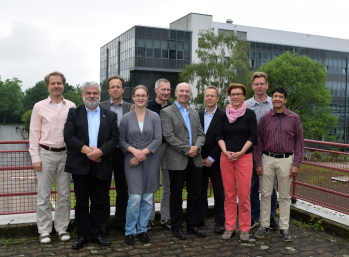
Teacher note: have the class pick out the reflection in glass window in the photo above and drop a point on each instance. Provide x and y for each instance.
(149, 52)
(180, 55)
(157, 53)
(157, 43)
(149, 43)
(172, 45)
(164, 53)
(172, 54)
(164, 44)
(179, 46)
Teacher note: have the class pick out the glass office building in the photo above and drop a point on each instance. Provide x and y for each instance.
(143, 55)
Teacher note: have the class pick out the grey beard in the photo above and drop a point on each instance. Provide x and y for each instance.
(91, 105)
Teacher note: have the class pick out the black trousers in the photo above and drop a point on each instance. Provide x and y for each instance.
(192, 176)
(218, 190)
(121, 191)
(89, 222)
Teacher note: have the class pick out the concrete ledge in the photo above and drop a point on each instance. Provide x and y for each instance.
(328, 225)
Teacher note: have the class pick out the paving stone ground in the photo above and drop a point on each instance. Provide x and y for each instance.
(306, 243)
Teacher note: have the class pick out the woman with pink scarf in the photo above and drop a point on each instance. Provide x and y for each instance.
(237, 132)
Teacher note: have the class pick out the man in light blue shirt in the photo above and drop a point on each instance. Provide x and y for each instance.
(93, 125)
(182, 158)
(260, 103)
(211, 153)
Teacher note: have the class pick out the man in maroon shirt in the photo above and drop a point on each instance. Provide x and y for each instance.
(280, 152)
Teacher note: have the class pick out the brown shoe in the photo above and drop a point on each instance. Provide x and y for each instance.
(228, 234)
(244, 236)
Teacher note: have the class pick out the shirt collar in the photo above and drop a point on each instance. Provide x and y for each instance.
(180, 106)
(112, 103)
(96, 111)
(268, 99)
(274, 113)
(212, 112)
(50, 100)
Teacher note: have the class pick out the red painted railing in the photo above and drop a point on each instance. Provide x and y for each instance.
(18, 185)
(323, 178)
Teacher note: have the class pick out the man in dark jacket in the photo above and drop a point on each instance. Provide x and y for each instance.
(211, 154)
(91, 135)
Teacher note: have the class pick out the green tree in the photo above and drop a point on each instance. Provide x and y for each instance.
(307, 93)
(26, 119)
(34, 94)
(10, 97)
(74, 95)
(223, 60)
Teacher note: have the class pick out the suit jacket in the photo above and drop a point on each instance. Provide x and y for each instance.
(176, 135)
(211, 147)
(126, 106)
(76, 136)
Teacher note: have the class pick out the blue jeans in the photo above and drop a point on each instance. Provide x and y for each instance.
(138, 211)
(254, 197)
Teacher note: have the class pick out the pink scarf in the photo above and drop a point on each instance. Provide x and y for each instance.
(233, 114)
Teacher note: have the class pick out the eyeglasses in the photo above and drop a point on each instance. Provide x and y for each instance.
(115, 87)
(237, 94)
(259, 84)
(212, 96)
(140, 96)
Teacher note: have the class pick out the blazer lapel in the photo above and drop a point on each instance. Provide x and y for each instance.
(214, 120)
(179, 114)
(202, 119)
(84, 121)
(103, 120)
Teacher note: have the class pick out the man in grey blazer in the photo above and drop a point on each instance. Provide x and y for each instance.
(116, 87)
(185, 138)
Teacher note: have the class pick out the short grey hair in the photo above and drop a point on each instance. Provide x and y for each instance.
(157, 83)
(90, 84)
(182, 84)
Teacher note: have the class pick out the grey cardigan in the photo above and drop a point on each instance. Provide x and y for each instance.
(145, 177)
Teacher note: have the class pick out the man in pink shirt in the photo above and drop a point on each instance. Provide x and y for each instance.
(48, 153)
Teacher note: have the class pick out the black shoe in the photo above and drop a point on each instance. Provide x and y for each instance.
(102, 241)
(104, 230)
(178, 233)
(273, 224)
(150, 224)
(219, 228)
(79, 243)
(254, 223)
(285, 235)
(196, 231)
(144, 237)
(201, 223)
(130, 239)
(261, 232)
(121, 228)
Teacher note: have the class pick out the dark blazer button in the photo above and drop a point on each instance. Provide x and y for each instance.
(188, 137)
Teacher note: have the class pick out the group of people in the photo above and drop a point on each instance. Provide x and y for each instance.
(188, 147)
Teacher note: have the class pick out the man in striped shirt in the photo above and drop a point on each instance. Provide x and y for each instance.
(279, 152)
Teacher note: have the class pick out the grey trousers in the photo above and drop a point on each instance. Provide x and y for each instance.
(280, 167)
(165, 199)
(53, 164)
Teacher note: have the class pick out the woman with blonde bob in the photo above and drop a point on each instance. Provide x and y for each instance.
(140, 137)
(237, 132)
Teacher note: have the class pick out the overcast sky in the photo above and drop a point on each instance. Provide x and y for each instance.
(40, 36)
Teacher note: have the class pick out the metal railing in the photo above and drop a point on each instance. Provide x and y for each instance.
(18, 184)
(323, 177)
